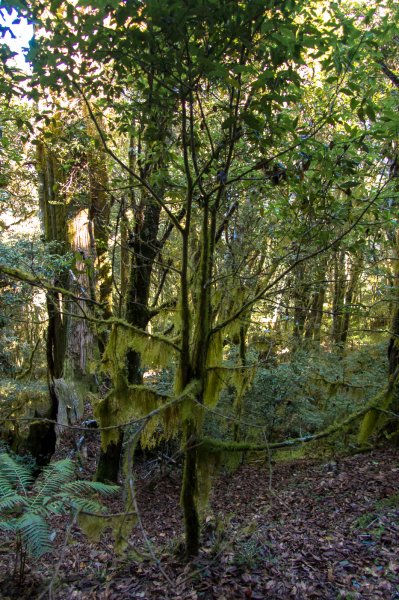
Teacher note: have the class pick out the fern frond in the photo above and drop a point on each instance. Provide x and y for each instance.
(85, 504)
(53, 478)
(5, 486)
(55, 492)
(82, 487)
(13, 474)
(56, 507)
(12, 501)
(9, 526)
(35, 534)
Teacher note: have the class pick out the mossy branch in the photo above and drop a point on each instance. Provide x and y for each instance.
(25, 277)
(374, 419)
(188, 392)
(34, 281)
(29, 368)
(140, 332)
(214, 445)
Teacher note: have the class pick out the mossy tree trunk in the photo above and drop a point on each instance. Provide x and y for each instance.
(350, 294)
(339, 276)
(71, 223)
(81, 339)
(42, 437)
(197, 316)
(301, 302)
(315, 319)
(144, 247)
(99, 223)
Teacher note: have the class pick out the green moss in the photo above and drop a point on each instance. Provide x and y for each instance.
(120, 525)
(373, 418)
(125, 403)
(156, 351)
(219, 376)
(214, 383)
(376, 419)
(207, 466)
(189, 491)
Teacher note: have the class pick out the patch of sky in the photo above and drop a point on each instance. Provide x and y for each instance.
(19, 33)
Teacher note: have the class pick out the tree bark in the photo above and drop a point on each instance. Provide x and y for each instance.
(42, 436)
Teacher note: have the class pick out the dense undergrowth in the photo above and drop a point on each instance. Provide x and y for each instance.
(306, 392)
(292, 395)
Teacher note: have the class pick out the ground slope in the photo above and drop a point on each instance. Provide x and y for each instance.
(321, 531)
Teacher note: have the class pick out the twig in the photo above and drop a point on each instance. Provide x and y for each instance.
(269, 461)
(49, 588)
(28, 370)
(186, 393)
(138, 515)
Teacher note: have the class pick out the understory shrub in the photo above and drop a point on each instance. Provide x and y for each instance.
(26, 505)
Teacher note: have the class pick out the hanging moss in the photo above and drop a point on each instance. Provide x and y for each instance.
(191, 408)
(162, 426)
(128, 402)
(157, 351)
(232, 330)
(219, 377)
(214, 382)
(376, 419)
(120, 525)
(123, 404)
(208, 464)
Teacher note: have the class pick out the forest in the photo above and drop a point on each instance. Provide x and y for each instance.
(199, 310)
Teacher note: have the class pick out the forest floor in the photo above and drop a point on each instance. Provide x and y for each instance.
(321, 530)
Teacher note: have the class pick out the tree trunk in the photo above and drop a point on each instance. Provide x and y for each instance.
(42, 436)
(144, 248)
(108, 463)
(190, 490)
(301, 302)
(315, 318)
(239, 401)
(349, 297)
(393, 347)
(81, 340)
(338, 296)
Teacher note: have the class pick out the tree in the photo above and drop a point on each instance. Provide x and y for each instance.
(213, 97)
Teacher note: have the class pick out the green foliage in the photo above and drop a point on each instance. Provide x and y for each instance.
(270, 131)
(20, 399)
(377, 421)
(312, 390)
(385, 506)
(249, 553)
(27, 505)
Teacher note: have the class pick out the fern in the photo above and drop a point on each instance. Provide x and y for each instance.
(13, 475)
(25, 507)
(9, 526)
(83, 487)
(80, 495)
(11, 501)
(86, 505)
(35, 534)
(53, 478)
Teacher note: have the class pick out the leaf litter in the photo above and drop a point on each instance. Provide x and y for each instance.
(326, 531)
